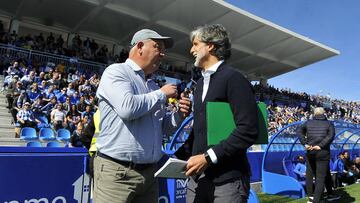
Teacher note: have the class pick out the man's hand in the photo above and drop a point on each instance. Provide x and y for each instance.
(184, 106)
(196, 165)
(316, 148)
(169, 90)
(308, 147)
(21, 121)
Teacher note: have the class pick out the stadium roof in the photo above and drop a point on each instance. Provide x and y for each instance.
(261, 49)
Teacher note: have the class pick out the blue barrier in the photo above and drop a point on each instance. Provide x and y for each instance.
(30, 174)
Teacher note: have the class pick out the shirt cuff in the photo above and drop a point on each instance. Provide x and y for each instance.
(212, 155)
(161, 95)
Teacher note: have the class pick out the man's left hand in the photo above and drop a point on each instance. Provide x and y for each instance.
(184, 106)
(316, 148)
(196, 165)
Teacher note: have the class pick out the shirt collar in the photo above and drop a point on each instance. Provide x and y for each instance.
(135, 67)
(212, 69)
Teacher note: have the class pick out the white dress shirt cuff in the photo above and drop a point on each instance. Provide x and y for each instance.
(212, 155)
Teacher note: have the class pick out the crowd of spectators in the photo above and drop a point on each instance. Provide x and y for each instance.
(46, 85)
(80, 48)
(44, 95)
(285, 107)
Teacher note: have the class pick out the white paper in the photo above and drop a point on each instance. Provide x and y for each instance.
(173, 168)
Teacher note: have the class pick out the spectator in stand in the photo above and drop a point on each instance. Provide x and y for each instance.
(94, 80)
(47, 109)
(300, 168)
(81, 105)
(50, 39)
(25, 117)
(13, 36)
(22, 99)
(75, 98)
(34, 93)
(87, 114)
(70, 90)
(8, 79)
(37, 105)
(60, 41)
(38, 79)
(73, 117)
(85, 88)
(67, 104)
(55, 79)
(14, 68)
(58, 117)
(48, 73)
(49, 93)
(75, 137)
(62, 96)
(93, 47)
(13, 91)
(43, 86)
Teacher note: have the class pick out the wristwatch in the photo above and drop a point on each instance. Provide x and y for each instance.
(207, 157)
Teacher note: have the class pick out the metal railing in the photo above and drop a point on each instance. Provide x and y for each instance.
(44, 57)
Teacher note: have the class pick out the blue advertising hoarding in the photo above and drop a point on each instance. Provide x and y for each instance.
(41, 175)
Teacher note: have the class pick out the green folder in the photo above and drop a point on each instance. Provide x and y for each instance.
(220, 122)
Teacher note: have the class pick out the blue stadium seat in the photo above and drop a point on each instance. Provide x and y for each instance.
(54, 144)
(28, 133)
(34, 144)
(44, 122)
(43, 119)
(46, 134)
(63, 135)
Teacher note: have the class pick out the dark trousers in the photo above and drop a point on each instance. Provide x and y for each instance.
(317, 164)
(204, 190)
(329, 182)
(31, 124)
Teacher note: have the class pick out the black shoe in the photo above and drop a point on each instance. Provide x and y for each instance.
(332, 197)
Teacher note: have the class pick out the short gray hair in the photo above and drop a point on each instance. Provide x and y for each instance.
(217, 35)
(319, 111)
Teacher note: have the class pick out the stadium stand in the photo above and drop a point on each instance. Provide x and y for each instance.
(47, 72)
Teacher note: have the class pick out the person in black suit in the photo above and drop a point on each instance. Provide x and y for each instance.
(220, 173)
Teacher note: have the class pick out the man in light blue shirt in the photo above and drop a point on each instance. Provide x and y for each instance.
(300, 168)
(132, 123)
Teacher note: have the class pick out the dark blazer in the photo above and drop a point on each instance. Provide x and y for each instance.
(226, 85)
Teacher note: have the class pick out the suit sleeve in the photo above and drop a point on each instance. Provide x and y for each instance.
(184, 152)
(243, 105)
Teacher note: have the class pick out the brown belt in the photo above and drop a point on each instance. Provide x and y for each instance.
(129, 164)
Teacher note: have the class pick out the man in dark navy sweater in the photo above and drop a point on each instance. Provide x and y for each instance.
(219, 173)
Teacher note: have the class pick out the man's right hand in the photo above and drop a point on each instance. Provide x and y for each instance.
(169, 90)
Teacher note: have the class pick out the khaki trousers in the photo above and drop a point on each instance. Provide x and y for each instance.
(115, 183)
